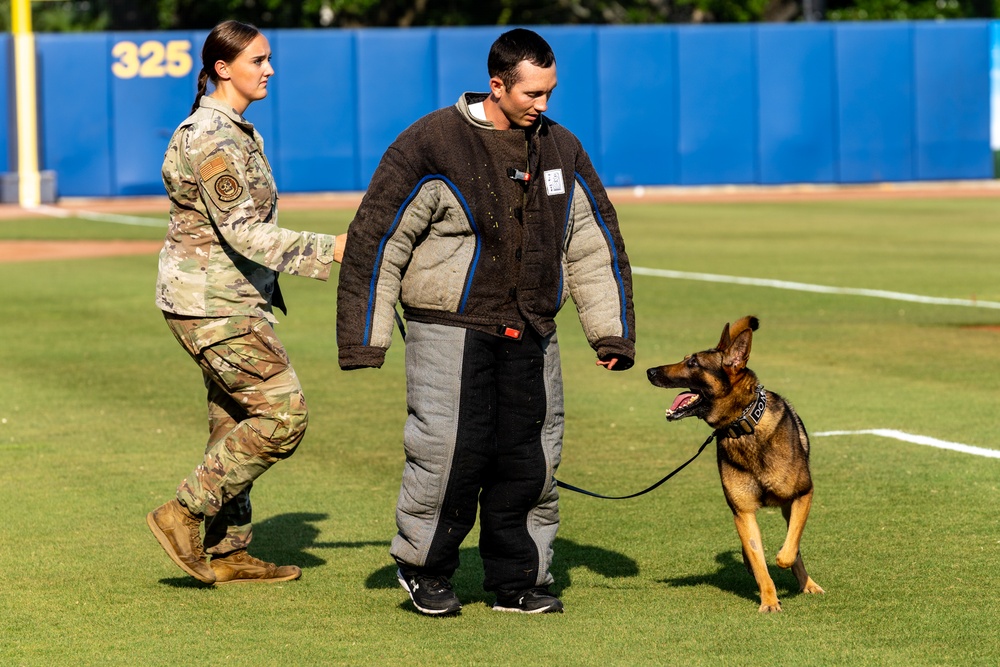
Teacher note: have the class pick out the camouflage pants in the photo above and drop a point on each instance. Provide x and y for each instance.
(256, 415)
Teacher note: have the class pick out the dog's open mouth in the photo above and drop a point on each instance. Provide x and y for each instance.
(683, 405)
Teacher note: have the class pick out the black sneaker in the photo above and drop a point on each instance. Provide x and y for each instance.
(531, 601)
(430, 595)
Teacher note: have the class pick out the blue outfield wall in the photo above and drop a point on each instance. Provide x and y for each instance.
(876, 107)
(797, 138)
(637, 77)
(75, 113)
(653, 105)
(717, 105)
(6, 115)
(949, 68)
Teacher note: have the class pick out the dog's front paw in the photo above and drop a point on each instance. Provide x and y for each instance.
(770, 607)
(787, 558)
(812, 587)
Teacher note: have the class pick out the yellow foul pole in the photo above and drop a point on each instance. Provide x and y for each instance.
(29, 183)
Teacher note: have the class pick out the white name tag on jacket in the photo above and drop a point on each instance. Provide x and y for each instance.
(554, 182)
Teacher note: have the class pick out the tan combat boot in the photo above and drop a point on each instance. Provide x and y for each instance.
(179, 533)
(239, 567)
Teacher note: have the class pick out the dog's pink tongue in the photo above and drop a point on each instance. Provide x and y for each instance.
(682, 400)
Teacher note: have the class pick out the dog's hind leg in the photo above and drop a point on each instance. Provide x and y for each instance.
(795, 514)
(753, 550)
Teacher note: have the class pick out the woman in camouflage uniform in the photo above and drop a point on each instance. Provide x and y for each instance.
(217, 284)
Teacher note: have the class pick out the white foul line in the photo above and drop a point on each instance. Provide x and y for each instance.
(806, 287)
(918, 440)
(54, 212)
(638, 270)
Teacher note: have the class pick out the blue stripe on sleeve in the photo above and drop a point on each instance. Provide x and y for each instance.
(370, 311)
(614, 253)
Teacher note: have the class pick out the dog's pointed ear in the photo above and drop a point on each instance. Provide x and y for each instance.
(724, 340)
(734, 357)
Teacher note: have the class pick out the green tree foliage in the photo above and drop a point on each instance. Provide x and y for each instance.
(197, 14)
(77, 15)
(59, 16)
(742, 11)
(888, 10)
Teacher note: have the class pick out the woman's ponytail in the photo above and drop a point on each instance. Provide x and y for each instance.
(202, 89)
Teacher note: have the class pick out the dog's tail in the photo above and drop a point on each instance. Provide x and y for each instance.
(749, 322)
(731, 331)
(739, 326)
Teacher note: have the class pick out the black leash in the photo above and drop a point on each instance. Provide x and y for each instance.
(399, 323)
(570, 487)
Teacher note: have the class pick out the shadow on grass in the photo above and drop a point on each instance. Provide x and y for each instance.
(184, 582)
(568, 555)
(284, 539)
(733, 577)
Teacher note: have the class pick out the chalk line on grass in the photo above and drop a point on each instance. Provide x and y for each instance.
(917, 440)
(54, 212)
(806, 287)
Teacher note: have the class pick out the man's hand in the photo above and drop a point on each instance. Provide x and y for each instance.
(608, 363)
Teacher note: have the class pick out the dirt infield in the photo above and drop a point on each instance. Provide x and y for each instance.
(160, 205)
(32, 251)
(13, 251)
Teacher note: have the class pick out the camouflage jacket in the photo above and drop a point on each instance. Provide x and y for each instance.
(224, 247)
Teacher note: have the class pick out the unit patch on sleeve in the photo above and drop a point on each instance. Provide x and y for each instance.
(221, 182)
(228, 188)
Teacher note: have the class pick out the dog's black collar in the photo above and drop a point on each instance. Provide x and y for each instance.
(748, 420)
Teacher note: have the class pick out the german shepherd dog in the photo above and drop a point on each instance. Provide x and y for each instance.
(762, 445)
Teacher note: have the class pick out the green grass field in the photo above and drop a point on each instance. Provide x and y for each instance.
(102, 414)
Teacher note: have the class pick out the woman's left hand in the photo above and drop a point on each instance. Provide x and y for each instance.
(339, 243)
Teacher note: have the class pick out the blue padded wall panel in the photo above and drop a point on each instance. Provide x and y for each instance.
(797, 125)
(717, 105)
(74, 112)
(397, 85)
(461, 61)
(574, 103)
(313, 91)
(994, 99)
(7, 121)
(952, 68)
(637, 82)
(875, 101)
(146, 108)
(860, 102)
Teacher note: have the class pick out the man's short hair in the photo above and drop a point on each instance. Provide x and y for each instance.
(512, 48)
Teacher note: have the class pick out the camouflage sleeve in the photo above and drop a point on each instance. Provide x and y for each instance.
(239, 193)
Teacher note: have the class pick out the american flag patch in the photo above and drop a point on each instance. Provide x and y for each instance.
(216, 165)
